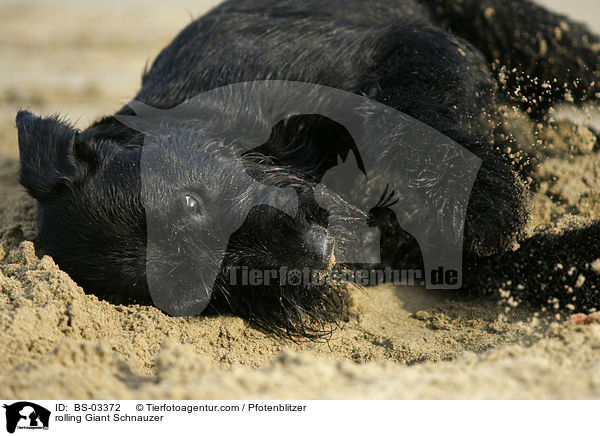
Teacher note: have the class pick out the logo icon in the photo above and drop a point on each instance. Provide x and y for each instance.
(26, 415)
(234, 140)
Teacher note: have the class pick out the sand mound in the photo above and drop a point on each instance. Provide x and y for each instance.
(59, 342)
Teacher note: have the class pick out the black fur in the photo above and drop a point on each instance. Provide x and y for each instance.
(439, 61)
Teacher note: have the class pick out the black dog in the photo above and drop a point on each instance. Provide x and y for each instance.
(439, 61)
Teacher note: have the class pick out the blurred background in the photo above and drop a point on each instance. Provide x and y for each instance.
(81, 58)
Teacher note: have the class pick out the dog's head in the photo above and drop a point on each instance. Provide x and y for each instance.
(186, 221)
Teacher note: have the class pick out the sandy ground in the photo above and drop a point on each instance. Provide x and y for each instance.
(81, 59)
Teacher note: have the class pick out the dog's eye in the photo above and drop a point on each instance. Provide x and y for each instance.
(192, 206)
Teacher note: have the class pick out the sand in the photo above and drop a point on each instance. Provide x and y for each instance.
(82, 59)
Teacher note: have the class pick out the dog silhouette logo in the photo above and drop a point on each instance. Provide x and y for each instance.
(26, 415)
(380, 172)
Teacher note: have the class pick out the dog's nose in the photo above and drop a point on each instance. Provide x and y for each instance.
(317, 244)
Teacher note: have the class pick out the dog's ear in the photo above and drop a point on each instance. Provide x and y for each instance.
(50, 152)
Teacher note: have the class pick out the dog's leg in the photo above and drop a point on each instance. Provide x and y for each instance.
(539, 57)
